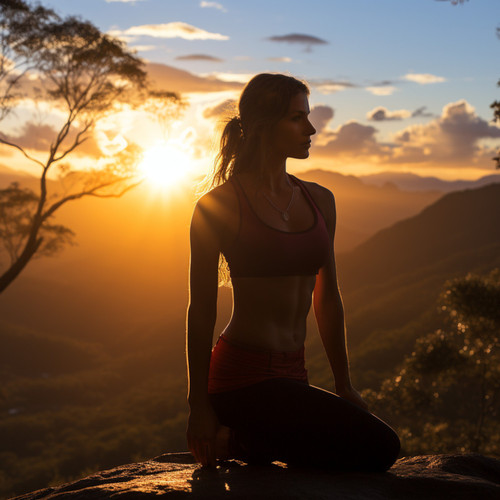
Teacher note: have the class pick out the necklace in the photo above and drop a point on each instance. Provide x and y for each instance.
(284, 213)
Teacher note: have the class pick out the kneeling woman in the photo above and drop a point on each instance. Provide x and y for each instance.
(249, 397)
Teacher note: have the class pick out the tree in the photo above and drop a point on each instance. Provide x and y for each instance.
(86, 75)
(19, 33)
(446, 397)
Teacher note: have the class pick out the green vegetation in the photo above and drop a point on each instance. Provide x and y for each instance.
(446, 396)
(73, 409)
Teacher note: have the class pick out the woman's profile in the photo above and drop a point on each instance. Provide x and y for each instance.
(249, 395)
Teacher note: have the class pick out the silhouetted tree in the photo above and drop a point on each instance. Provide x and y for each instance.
(86, 75)
(446, 396)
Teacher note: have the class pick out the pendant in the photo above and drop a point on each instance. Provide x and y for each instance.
(285, 216)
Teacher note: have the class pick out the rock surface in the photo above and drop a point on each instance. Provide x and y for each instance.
(468, 476)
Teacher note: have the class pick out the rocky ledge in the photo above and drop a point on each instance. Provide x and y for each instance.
(468, 476)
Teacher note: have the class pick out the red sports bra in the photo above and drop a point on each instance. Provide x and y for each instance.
(261, 250)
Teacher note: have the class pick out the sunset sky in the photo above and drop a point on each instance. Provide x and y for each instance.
(402, 85)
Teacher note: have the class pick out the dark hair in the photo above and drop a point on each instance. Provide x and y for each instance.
(245, 139)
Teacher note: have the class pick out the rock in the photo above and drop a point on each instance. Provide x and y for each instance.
(467, 476)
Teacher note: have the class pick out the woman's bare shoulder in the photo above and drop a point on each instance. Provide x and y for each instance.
(322, 196)
(220, 208)
(223, 195)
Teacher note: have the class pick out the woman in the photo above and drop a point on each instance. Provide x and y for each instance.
(249, 398)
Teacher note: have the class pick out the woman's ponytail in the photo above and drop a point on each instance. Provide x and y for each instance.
(231, 143)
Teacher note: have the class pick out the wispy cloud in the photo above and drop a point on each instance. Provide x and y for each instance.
(421, 112)
(280, 59)
(39, 137)
(229, 77)
(381, 114)
(423, 78)
(382, 90)
(178, 80)
(307, 41)
(169, 30)
(143, 48)
(213, 5)
(331, 86)
(199, 57)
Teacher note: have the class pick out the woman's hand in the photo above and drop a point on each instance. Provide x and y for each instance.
(201, 431)
(353, 396)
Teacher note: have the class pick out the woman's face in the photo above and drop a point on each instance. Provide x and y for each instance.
(291, 136)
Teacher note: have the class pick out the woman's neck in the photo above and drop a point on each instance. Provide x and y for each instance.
(272, 177)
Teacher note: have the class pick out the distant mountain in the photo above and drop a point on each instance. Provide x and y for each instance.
(412, 182)
(128, 273)
(364, 209)
(460, 222)
(390, 283)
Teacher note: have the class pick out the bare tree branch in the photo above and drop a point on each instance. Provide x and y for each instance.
(16, 146)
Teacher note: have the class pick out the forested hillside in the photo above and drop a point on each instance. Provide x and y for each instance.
(101, 380)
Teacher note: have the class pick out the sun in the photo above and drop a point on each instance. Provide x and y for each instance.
(165, 165)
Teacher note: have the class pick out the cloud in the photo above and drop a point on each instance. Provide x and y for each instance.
(199, 57)
(39, 137)
(353, 140)
(177, 80)
(213, 5)
(381, 114)
(34, 136)
(169, 30)
(320, 116)
(280, 59)
(242, 78)
(124, 1)
(331, 86)
(453, 139)
(143, 48)
(420, 112)
(221, 110)
(423, 78)
(306, 40)
(381, 90)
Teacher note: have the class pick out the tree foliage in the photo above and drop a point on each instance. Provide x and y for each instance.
(16, 207)
(85, 76)
(446, 397)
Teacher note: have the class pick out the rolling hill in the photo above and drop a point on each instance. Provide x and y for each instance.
(92, 361)
(391, 282)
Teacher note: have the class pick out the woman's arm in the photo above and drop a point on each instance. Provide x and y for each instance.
(329, 312)
(202, 310)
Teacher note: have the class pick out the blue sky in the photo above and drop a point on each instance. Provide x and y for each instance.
(398, 55)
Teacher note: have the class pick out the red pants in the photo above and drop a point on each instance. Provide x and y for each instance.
(234, 367)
